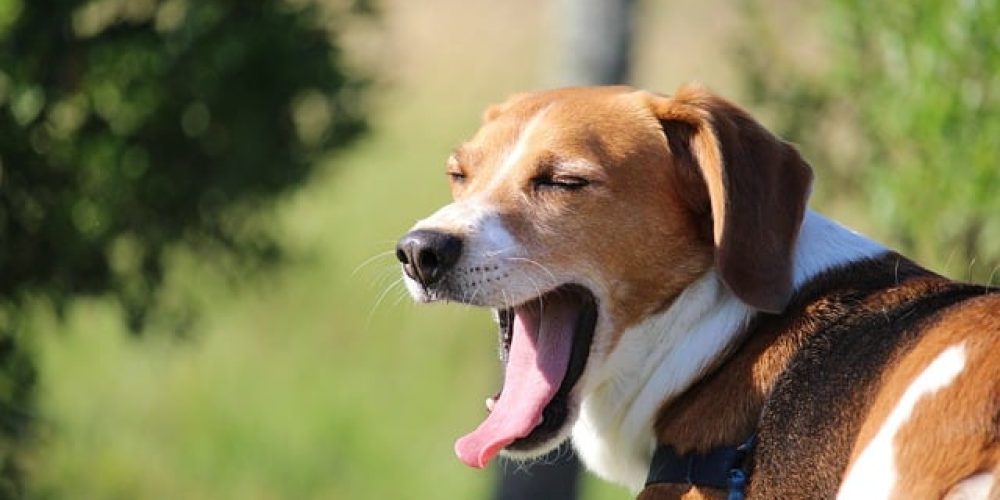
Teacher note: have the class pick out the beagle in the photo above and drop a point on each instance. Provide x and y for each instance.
(667, 301)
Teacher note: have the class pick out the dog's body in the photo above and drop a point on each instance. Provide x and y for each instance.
(660, 283)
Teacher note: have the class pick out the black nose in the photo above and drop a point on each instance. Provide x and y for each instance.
(428, 255)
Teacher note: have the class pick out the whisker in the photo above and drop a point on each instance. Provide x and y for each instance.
(371, 259)
(466, 296)
(378, 301)
(538, 292)
(400, 295)
(494, 253)
(475, 292)
(993, 274)
(536, 264)
(523, 467)
(384, 275)
(951, 256)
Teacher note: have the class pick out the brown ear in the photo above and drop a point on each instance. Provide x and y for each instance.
(757, 186)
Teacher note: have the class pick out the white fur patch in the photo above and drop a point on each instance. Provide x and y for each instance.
(664, 355)
(492, 270)
(653, 361)
(873, 475)
(824, 244)
(976, 487)
(513, 156)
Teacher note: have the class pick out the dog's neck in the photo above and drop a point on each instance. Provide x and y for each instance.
(660, 358)
(654, 362)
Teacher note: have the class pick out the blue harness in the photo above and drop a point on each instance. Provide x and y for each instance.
(720, 468)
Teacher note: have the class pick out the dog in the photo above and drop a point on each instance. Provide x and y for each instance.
(666, 298)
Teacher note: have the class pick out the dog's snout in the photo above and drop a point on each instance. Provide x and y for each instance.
(427, 255)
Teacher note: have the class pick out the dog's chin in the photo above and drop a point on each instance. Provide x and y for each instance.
(528, 449)
(545, 344)
(418, 292)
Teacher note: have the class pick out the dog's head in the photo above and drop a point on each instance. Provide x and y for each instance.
(578, 213)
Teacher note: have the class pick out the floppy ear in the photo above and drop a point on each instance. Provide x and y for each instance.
(757, 188)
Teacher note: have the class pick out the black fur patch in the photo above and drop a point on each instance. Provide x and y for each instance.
(860, 317)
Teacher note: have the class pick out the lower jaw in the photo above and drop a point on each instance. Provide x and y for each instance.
(540, 450)
(549, 434)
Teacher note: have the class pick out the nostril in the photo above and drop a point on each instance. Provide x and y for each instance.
(428, 260)
(428, 255)
(401, 256)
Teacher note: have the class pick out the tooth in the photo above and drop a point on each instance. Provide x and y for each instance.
(491, 403)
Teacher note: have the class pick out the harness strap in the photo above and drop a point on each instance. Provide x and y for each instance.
(721, 468)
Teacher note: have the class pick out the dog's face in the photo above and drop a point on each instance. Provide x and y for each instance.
(538, 204)
(576, 214)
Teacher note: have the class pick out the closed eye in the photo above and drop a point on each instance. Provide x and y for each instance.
(454, 170)
(562, 182)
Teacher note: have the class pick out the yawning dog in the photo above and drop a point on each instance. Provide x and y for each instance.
(666, 298)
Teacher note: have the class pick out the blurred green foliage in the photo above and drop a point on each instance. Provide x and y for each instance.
(902, 113)
(128, 126)
(322, 380)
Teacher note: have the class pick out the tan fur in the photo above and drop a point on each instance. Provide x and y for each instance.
(693, 177)
(625, 157)
(758, 186)
(723, 408)
(970, 443)
(680, 492)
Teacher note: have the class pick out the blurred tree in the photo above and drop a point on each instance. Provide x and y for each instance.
(904, 110)
(127, 126)
(594, 42)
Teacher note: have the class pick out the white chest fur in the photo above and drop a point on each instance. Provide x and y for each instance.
(665, 354)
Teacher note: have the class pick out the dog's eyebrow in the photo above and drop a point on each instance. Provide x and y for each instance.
(463, 155)
(578, 165)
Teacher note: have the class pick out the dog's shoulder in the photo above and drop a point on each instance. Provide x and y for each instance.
(862, 332)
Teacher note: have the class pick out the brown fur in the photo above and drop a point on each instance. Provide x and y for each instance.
(960, 423)
(726, 406)
(612, 128)
(704, 185)
(757, 185)
(678, 491)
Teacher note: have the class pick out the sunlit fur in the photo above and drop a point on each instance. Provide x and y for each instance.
(664, 354)
(642, 231)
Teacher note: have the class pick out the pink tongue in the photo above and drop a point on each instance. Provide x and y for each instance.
(537, 362)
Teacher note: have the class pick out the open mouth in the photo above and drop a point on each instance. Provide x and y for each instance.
(544, 347)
